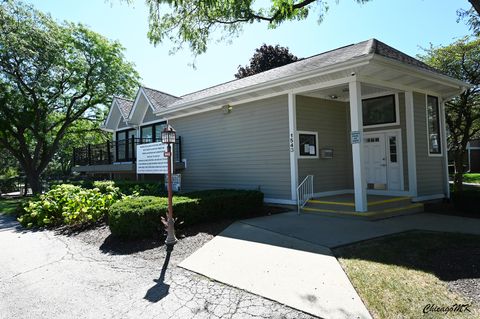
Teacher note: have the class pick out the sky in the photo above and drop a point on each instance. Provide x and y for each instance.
(407, 25)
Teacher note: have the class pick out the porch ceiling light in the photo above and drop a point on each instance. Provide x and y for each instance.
(333, 97)
(169, 135)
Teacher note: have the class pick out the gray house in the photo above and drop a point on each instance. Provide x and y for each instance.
(361, 119)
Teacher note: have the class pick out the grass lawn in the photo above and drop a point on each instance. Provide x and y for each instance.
(471, 178)
(9, 206)
(397, 276)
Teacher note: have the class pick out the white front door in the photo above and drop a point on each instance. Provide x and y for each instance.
(375, 161)
(383, 160)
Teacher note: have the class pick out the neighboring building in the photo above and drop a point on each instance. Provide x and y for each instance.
(364, 118)
(473, 153)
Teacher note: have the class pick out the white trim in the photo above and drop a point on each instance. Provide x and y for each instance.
(397, 111)
(439, 127)
(279, 201)
(270, 84)
(424, 74)
(297, 150)
(356, 124)
(427, 197)
(398, 132)
(152, 122)
(411, 153)
(135, 102)
(443, 130)
(292, 127)
(473, 148)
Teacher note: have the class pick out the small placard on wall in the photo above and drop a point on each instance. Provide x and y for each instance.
(326, 153)
(355, 137)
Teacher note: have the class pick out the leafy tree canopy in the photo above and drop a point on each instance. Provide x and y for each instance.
(460, 60)
(193, 22)
(265, 58)
(51, 76)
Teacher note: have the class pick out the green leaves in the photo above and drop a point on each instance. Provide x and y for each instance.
(69, 205)
(193, 22)
(52, 76)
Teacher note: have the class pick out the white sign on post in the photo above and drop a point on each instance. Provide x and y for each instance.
(151, 159)
(356, 137)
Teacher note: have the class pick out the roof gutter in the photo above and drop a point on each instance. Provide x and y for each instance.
(265, 85)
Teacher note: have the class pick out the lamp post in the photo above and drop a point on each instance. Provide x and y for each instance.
(169, 137)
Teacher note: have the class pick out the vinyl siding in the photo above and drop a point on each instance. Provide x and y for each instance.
(149, 116)
(245, 149)
(430, 170)
(330, 119)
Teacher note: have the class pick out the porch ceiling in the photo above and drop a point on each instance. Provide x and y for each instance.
(341, 93)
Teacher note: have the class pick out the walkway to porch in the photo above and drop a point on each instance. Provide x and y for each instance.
(379, 206)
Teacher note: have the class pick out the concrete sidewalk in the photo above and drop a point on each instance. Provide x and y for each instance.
(287, 257)
(293, 272)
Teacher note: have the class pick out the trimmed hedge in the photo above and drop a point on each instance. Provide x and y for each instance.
(140, 217)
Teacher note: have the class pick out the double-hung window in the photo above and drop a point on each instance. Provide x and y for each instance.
(433, 126)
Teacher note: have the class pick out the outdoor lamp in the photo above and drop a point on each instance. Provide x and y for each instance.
(169, 137)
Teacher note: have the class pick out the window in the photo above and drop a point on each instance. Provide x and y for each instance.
(152, 133)
(307, 142)
(433, 126)
(121, 144)
(379, 110)
(393, 149)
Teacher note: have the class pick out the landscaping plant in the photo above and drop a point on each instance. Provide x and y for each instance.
(69, 205)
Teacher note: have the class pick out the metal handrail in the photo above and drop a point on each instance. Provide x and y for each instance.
(304, 192)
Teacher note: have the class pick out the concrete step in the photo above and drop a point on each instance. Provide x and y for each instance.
(377, 209)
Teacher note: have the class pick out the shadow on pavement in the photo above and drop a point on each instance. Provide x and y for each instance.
(161, 289)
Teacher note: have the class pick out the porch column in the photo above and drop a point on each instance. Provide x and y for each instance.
(443, 141)
(292, 126)
(411, 153)
(356, 123)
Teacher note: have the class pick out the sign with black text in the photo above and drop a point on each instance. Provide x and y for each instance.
(151, 158)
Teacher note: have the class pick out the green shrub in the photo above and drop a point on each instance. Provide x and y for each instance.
(68, 205)
(140, 217)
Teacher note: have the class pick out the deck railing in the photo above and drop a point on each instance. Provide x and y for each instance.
(304, 192)
(116, 152)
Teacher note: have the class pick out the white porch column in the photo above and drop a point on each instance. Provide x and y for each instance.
(356, 120)
(443, 140)
(292, 144)
(411, 154)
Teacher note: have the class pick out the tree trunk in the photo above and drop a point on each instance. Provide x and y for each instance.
(34, 180)
(458, 177)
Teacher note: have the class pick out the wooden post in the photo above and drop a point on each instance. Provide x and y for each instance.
(109, 154)
(89, 154)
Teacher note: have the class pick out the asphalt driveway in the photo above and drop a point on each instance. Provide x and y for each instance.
(46, 275)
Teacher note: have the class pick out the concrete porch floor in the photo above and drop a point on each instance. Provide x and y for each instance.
(379, 206)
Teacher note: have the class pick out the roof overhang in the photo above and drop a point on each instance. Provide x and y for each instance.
(113, 119)
(373, 69)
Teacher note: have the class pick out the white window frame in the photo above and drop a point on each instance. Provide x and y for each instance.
(397, 109)
(316, 145)
(440, 127)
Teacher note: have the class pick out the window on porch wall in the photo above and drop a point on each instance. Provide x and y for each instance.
(434, 143)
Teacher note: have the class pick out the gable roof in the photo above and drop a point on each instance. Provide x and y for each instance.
(319, 61)
(159, 99)
(124, 105)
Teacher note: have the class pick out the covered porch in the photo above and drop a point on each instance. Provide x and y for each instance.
(347, 146)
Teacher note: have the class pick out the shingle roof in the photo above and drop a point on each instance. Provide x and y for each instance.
(159, 99)
(124, 105)
(319, 61)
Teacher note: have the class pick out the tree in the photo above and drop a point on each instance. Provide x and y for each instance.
(460, 60)
(193, 22)
(52, 76)
(265, 58)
